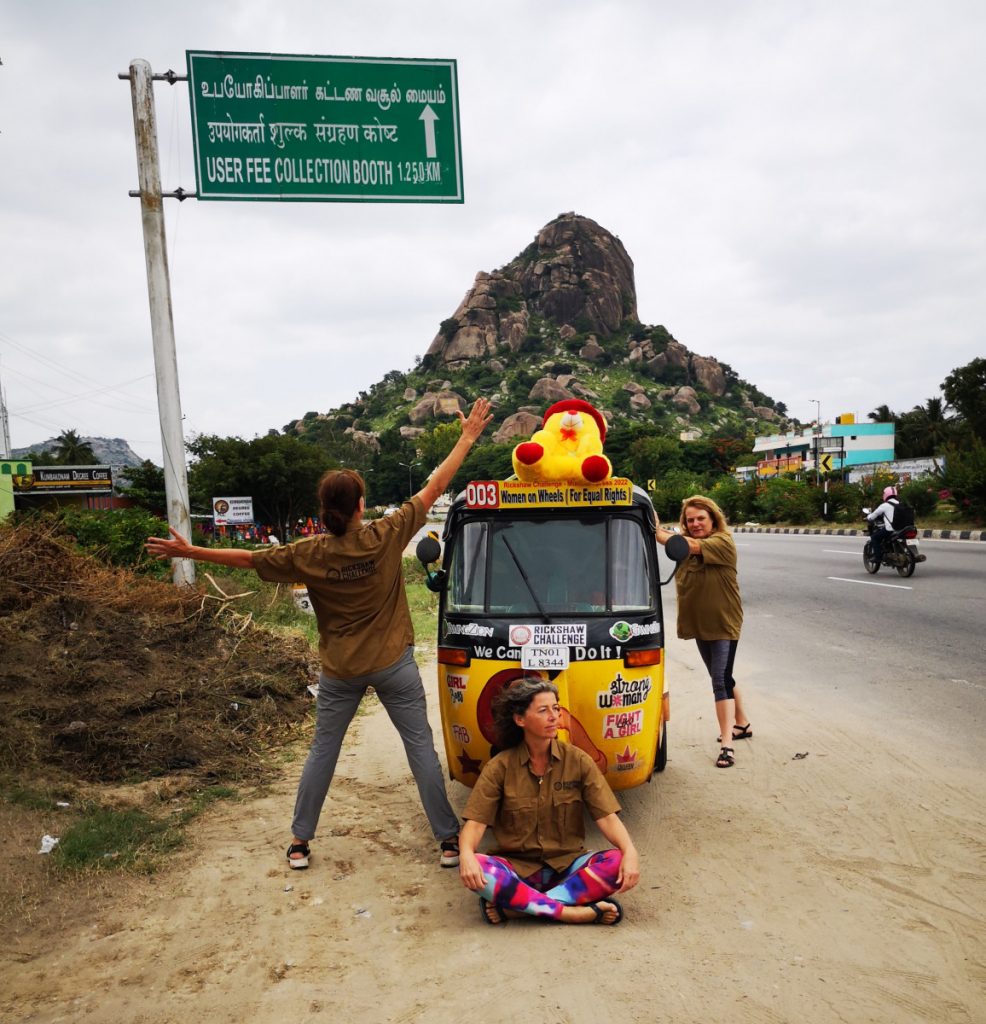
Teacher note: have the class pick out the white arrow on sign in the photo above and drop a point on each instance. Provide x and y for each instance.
(429, 117)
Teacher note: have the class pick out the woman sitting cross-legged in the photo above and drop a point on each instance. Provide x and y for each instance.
(533, 795)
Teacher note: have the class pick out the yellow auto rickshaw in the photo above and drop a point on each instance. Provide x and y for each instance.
(559, 580)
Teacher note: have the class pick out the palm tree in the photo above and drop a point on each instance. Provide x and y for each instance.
(927, 427)
(71, 450)
(882, 414)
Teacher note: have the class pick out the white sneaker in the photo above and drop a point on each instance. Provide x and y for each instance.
(450, 853)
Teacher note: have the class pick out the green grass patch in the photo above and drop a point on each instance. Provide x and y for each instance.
(424, 616)
(105, 838)
(130, 839)
(29, 797)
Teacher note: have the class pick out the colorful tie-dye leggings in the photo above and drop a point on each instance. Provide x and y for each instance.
(590, 877)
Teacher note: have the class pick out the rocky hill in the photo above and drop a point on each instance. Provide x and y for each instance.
(558, 321)
(109, 451)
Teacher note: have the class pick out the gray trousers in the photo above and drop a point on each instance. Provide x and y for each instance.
(403, 696)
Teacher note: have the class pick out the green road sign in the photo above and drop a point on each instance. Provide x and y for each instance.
(270, 126)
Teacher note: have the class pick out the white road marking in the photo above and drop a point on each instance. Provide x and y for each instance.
(870, 583)
(836, 551)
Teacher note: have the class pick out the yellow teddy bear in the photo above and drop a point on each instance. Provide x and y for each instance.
(568, 448)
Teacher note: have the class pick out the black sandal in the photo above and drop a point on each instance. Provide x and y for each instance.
(745, 733)
(297, 863)
(725, 759)
(486, 908)
(600, 911)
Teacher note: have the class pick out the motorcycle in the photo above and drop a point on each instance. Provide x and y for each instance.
(900, 550)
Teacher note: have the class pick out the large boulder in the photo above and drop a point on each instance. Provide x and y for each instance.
(513, 328)
(520, 424)
(547, 389)
(363, 437)
(709, 375)
(677, 355)
(591, 351)
(686, 400)
(434, 404)
(471, 343)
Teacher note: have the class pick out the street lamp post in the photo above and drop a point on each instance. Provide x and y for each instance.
(407, 466)
(818, 456)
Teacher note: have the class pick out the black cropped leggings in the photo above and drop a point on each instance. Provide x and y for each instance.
(718, 656)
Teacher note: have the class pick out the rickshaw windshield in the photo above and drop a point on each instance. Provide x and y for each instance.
(561, 565)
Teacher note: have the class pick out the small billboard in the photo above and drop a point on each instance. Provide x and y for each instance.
(232, 511)
(66, 480)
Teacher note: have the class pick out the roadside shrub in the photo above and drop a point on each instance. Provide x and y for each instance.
(671, 490)
(921, 495)
(789, 501)
(116, 535)
(846, 502)
(735, 498)
(965, 477)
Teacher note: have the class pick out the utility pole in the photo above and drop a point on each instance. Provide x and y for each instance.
(818, 441)
(4, 426)
(162, 321)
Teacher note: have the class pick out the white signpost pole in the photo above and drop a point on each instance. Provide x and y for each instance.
(162, 322)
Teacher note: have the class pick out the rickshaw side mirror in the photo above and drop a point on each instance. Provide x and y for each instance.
(677, 548)
(428, 552)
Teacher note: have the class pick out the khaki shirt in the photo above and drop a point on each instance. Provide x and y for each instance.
(356, 586)
(709, 606)
(540, 822)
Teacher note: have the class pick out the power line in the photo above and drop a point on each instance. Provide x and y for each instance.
(88, 396)
(74, 375)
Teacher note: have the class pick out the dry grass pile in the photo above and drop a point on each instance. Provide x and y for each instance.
(108, 677)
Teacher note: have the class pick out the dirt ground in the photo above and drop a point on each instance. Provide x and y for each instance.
(847, 885)
(107, 676)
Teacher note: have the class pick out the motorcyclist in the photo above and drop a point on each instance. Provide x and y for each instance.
(883, 516)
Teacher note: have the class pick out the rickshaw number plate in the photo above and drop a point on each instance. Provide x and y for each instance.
(532, 658)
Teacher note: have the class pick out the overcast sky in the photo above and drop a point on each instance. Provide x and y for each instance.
(800, 186)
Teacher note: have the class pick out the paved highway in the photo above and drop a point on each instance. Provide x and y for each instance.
(911, 653)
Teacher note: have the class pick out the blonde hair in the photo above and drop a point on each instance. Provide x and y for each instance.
(719, 524)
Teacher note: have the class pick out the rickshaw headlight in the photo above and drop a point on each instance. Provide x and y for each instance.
(638, 659)
(454, 656)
